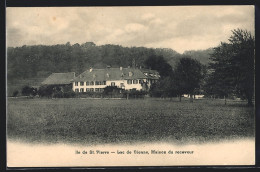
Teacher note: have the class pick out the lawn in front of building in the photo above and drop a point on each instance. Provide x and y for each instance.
(95, 121)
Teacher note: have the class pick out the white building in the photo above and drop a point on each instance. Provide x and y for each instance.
(95, 80)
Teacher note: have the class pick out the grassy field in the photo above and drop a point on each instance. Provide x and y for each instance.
(92, 121)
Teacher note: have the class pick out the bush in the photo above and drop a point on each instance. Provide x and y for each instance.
(15, 93)
(69, 94)
(89, 94)
(29, 91)
(134, 94)
(58, 94)
(112, 89)
(56, 91)
(45, 91)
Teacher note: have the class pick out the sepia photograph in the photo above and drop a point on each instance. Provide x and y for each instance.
(130, 86)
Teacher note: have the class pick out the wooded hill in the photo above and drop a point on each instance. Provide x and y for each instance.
(31, 64)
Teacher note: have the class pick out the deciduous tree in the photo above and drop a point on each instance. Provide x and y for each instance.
(233, 66)
(187, 76)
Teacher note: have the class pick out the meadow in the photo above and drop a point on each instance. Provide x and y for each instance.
(95, 121)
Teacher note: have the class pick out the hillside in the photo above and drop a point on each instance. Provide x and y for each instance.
(200, 55)
(29, 64)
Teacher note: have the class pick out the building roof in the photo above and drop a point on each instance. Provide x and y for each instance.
(59, 78)
(151, 74)
(111, 74)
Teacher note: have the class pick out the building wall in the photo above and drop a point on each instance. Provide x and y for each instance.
(133, 86)
(86, 86)
(117, 83)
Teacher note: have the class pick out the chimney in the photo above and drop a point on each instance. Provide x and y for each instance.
(90, 70)
(80, 76)
(108, 75)
(128, 67)
(121, 68)
(140, 67)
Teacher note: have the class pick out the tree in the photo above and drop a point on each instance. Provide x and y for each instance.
(187, 76)
(15, 93)
(163, 88)
(233, 66)
(158, 63)
(218, 83)
(28, 91)
(243, 45)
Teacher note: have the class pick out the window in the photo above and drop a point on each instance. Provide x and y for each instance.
(96, 89)
(129, 81)
(92, 83)
(113, 83)
(81, 83)
(98, 83)
(104, 83)
(88, 90)
(140, 81)
(101, 89)
(87, 83)
(135, 81)
(76, 83)
(91, 89)
(82, 90)
(77, 90)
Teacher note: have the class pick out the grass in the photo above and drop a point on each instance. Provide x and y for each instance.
(92, 121)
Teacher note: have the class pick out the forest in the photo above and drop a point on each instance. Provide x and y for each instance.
(29, 65)
(223, 71)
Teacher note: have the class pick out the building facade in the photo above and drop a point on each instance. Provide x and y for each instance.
(95, 80)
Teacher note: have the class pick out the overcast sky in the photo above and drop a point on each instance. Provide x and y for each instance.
(179, 28)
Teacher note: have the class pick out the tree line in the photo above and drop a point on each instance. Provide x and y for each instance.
(229, 73)
(29, 65)
(225, 71)
(41, 60)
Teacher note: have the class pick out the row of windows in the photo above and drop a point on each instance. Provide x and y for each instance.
(91, 83)
(134, 81)
(89, 90)
(104, 82)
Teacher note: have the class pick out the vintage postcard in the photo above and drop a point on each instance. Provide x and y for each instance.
(130, 86)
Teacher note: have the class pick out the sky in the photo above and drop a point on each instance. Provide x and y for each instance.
(178, 27)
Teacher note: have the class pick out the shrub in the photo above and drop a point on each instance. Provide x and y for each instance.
(29, 91)
(69, 94)
(112, 89)
(15, 93)
(134, 94)
(45, 91)
(56, 91)
(58, 94)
